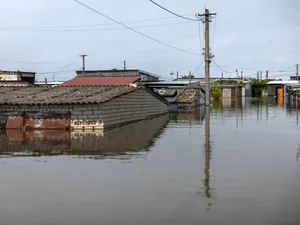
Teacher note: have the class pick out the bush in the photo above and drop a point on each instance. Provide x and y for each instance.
(216, 91)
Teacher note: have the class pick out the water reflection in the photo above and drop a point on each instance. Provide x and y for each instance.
(193, 117)
(124, 143)
(207, 145)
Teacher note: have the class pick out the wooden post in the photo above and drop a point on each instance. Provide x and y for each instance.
(207, 20)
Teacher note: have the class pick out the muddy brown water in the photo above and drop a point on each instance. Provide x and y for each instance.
(241, 169)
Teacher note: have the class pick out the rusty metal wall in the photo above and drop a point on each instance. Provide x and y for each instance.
(35, 120)
(47, 120)
(11, 120)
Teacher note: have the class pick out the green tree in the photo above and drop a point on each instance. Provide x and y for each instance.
(216, 91)
(114, 69)
(188, 77)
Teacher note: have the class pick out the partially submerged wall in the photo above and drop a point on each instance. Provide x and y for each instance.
(128, 108)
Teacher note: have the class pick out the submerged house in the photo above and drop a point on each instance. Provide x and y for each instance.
(83, 108)
(235, 87)
(278, 89)
(182, 99)
(180, 95)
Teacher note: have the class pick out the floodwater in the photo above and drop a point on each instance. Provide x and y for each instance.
(238, 164)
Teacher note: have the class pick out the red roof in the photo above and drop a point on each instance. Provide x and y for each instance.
(100, 81)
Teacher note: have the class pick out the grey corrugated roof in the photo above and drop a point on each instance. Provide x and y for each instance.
(61, 95)
(180, 95)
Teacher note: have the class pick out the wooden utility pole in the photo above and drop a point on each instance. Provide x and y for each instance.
(267, 75)
(206, 18)
(237, 73)
(222, 75)
(297, 72)
(242, 74)
(83, 63)
(124, 65)
(177, 75)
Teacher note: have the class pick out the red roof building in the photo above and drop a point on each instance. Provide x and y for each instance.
(100, 81)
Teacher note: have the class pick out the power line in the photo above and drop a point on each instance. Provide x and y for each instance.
(200, 37)
(34, 63)
(80, 30)
(221, 68)
(253, 69)
(62, 71)
(214, 33)
(172, 12)
(138, 32)
(88, 25)
(198, 67)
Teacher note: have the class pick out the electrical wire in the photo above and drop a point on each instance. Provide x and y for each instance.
(35, 63)
(88, 25)
(253, 69)
(138, 32)
(95, 29)
(200, 37)
(214, 32)
(62, 71)
(186, 18)
(221, 68)
(198, 67)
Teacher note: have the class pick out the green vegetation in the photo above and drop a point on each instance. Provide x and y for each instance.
(188, 77)
(216, 105)
(259, 87)
(216, 91)
(114, 69)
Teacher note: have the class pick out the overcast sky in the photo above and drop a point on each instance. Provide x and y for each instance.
(246, 35)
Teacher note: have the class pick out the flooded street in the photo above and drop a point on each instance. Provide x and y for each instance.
(241, 167)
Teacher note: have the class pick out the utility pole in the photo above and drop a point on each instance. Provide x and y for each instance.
(257, 75)
(171, 75)
(237, 73)
(222, 75)
(177, 75)
(83, 63)
(242, 74)
(297, 72)
(206, 18)
(267, 75)
(124, 65)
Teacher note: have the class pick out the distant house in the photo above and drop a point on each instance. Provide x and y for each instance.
(100, 81)
(235, 87)
(110, 78)
(143, 75)
(22, 76)
(294, 78)
(15, 84)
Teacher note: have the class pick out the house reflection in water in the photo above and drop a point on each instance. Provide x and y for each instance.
(130, 141)
(196, 116)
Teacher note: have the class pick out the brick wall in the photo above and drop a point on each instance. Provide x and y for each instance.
(131, 107)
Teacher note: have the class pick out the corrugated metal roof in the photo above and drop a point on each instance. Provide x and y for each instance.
(62, 95)
(181, 95)
(100, 81)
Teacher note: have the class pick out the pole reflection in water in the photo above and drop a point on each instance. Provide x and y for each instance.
(207, 153)
(206, 193)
